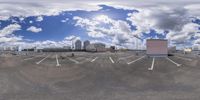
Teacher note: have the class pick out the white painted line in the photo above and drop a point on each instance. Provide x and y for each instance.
(86, 60)
(94, 59)
(42, 60)
(152, 65)
(111, 60)
(136, 60)
(73, 60)
(173, 62)
(58, 64)
(29, 58)
(188, 59)
(126, 57)
(33, 57)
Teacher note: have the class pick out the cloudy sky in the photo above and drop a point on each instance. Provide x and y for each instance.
(49, 23)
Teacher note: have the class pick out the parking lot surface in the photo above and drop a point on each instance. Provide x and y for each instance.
(99, 76)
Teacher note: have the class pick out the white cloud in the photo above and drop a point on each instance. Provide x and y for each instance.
(52, 7)
(116, 32)
(10, 39)
(40, 8)
(160, 19)
(188, 32)
(72, 38)
(165, 15)
(7, 33)
(30, 22)
(65, 20)
(39, 19)
(34, 29)
(67, 41)
(9, 29)
(177, 21)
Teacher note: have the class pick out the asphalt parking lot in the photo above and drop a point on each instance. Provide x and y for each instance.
(99, 76)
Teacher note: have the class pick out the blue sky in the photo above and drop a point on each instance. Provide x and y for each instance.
(113, 23)
(54, 29)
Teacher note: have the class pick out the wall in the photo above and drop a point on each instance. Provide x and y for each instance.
(157, 47)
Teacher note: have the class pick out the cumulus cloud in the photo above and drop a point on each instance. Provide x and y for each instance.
(188, 31)
(39, 19)
(34, 29)
(176, 23)
(9, 29)
(67, 41)
(116, 32)
(72, 38)
(65, 20)
(10, 39)
(160, 19)
(7, 33)
(39, 8)
(169, 17)
(52, 7)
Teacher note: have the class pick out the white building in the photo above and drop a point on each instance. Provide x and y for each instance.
(85, 44)
(78, 45)
(91, 48)
(187, 50)
(96, 47)
(19, 48)
(195, 48)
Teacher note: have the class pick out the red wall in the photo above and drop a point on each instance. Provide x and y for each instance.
(157, 47)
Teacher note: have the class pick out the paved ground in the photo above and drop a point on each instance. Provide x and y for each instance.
(99, 76)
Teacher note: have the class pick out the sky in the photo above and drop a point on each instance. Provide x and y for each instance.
(125, 24)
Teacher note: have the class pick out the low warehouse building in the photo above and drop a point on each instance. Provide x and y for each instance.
(187, 50)
(172, 49)
(157, 47)
(96, 47)
(91, 48)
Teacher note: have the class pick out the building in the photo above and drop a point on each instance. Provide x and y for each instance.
(157, 47)
(67, 47)
(187, 50)
(172, 49)
(85, 44)
(91, 48)
(78, 45)
(19, 48)
(54, 50)
(96, 47)
(195, 48)
(112, 48)
(100, 47)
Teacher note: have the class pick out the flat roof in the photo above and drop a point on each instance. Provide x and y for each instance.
(157, 40)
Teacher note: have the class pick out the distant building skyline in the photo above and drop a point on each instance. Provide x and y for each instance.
(78, 45)
(85, 44)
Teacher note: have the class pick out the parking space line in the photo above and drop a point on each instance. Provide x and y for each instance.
(32, 57)
(136, 60)
(173, 62)
(111, 60)
(152, 65)
(188, 59)
(73, 60)
(126, 57)
(94, 59)
(86, 60)
(58, 64)
(29, 58)
(42, 60)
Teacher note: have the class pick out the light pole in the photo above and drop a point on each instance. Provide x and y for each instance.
(137, 41)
